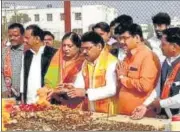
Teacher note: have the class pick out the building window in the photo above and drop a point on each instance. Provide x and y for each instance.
(78, 16)
(62, 16)
(4, 19)
(78, 31)
(49, 17)
(36, 17)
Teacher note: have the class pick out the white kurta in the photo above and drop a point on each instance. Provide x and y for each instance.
(156, 48)
(106, 91)
(34, 78)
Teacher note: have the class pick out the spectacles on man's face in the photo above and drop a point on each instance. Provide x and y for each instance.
(124, 38)
(86, 48)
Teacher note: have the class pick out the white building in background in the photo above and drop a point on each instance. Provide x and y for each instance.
(175, 22)
(145, 31)
(52, 19)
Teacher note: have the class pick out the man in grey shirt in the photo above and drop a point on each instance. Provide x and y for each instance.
(14, 53)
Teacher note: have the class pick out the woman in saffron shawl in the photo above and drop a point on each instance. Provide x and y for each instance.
(64, 66)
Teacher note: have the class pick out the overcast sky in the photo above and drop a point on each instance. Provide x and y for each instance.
(141, 11)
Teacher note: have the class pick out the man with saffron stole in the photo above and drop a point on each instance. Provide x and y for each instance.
(96, 82)
(169, 101)
(64, 66)
(12, 62)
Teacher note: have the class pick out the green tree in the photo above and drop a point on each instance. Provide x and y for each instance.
(20, 18)
(4, 28)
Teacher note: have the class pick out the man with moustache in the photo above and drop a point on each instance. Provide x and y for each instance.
(161, 21)
(96, 82)
(35, 63)
(48, 38)
(138, 73)
(169, 99)
(12, 61)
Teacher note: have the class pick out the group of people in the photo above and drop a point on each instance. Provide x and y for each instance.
(111, 69)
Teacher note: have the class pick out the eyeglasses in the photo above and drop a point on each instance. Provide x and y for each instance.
(125, 38)
(86, 48)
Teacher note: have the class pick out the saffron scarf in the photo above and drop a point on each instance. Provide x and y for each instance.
(107, 105)
(7, 70)
(169, 81)
(57, 73)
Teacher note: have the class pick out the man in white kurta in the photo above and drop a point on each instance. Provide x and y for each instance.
(101, 76)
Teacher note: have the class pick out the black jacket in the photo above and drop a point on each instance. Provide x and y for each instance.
(45, 61)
